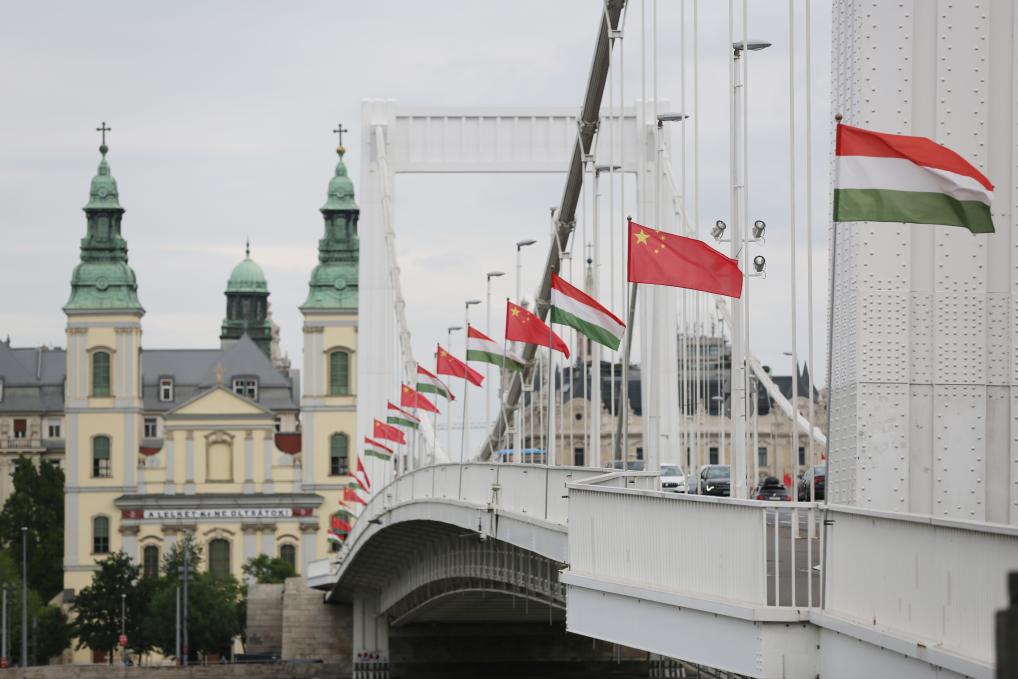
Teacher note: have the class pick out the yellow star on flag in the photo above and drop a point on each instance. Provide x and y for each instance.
(641, 238)
(514, 311)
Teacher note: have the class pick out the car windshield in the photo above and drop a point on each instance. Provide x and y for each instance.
(819, 470)
(717, 472)
(635, 465)
(671, 470)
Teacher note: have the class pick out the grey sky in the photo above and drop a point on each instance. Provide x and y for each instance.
(221, 116)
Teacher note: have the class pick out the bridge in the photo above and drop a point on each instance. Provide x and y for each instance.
(899, 570)
(760, 589)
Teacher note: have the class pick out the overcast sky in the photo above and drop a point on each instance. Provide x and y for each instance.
(221, 115)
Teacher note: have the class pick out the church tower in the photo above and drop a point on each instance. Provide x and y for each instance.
(103, 385)
(328, 402)
(247, 305)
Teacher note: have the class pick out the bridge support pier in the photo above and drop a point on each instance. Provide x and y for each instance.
(370, 637)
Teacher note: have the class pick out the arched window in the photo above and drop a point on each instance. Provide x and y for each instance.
(219, 558)
(101, 373)
(339, 373)
(150, 561)
(288, 553)
(339, 448)
(100, 535)
(101, 467)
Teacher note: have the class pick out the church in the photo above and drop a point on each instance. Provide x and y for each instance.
(228, 444)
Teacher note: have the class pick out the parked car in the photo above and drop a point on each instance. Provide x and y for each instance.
(772, 489)
(817, 476)
(673, 479)
(715, 479)
(629, 466)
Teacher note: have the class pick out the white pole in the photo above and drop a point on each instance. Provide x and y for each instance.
(809, 247)
(595, 360)
(738, 351)
(700, 373)
(744, 214)
(487, 366)
(791, 234)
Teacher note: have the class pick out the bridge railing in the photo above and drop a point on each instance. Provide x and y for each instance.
(933, 579)
(749, 552)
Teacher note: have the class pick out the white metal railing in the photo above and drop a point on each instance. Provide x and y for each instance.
(718, 548)
(933, 579)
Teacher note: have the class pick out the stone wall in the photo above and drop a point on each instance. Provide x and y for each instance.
(277, 671)
(265, 619)
(313, 629)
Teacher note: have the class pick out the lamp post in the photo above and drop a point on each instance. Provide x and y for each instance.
(487, 329)
(738, 174)
(123, 624)
(518, 444)
(465, 436)
(448, 412)
(24, 596)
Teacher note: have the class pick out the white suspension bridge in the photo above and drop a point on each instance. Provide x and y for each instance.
(898, 570)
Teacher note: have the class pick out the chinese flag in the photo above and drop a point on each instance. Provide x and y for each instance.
(450, 365)
(411, 398)
(662, 258)
(523, 326)
(388, 432)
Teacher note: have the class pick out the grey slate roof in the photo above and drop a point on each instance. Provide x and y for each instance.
(34, 377)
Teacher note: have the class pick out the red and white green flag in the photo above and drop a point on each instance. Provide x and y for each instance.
(483, 349)
(337, 538)
(896, 178)
(401, 418)
(373, 448)
(428, 383)
(575, 308)
(361, 477)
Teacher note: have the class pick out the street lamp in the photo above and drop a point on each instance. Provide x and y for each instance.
(448, 411)
(123, 624)
(518, 444)
(465, 436)
(749, 45)
(519, 266)
(487, 328)
(24, 596)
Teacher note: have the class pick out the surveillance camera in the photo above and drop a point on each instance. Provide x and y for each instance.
(719, 229)
(759, 226)
(759, 263)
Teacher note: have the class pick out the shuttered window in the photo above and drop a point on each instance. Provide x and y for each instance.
(150, 561)
(101, 373)
(219, 558)
(100, 535)
(101, 457)
(288, 553)
(339, 373)
(339, 448)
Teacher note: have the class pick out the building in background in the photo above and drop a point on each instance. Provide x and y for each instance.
(219, 443)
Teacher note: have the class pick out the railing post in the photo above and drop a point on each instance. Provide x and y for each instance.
(1007, 632)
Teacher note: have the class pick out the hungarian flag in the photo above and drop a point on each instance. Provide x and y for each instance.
(894, 178)
(361, 477)
(400, 417)
(388, 432)
(351, 495)
(338, 538)
(341, 525)
(523, 326)
(373, 448)
(573, 307)
(662, 258)
(411, 398)
(450, 365)
(482, 348)
(427, 383)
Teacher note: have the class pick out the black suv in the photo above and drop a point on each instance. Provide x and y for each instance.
(715, 479)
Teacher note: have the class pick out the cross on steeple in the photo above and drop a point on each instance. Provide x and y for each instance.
(103, 129)
(340, 130)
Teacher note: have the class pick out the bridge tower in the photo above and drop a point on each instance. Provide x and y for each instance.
(924, 409)
(328, 408)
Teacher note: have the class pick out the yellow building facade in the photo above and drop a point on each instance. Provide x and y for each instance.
(228, 444)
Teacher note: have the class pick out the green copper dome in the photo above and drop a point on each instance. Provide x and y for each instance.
(247, 276)
(103, 281)
(340, 195)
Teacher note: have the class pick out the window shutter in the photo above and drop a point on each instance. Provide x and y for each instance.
(339, 373)
(338, 452)
(101, 373)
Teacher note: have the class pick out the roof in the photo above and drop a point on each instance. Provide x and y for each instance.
(247, 277)
(34, 377)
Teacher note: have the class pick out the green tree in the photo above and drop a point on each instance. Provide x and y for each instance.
(52, 633)
(37, 503)
(10, 576)
(266, 569)
(215, 614)
(116, 588)
(173, 559)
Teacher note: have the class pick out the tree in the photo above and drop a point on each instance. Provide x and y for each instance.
(173, 559)
(98, 607)
(215, 614)
(10, 576)
(266, 569)
(52, 633)
(37, 502)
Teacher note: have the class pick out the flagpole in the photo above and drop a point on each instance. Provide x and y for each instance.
(550, 453)
(622, 423)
